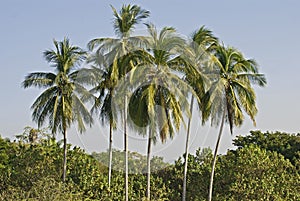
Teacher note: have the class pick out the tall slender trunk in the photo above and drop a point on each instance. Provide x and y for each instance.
(215, 157)
(110, 154)
(65, 155)
(187, 152)
(126, 148)
(65, 139)
(149, 163)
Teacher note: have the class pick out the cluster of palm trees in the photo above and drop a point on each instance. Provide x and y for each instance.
(146, 81)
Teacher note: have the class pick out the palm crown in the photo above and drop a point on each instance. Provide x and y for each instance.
(60, 102)
(127, 18)
(231, 87)
(160, 96)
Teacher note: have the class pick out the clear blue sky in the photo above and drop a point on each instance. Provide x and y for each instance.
(267, 31)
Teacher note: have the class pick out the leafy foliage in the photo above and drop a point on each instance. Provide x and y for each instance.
(253, 173)
(286, 144)
(33, 172)
(137, 162)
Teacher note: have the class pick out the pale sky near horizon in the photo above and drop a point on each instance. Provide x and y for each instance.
(267, 31)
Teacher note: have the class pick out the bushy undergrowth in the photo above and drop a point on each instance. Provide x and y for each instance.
(254, 171)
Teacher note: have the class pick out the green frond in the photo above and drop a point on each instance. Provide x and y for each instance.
(81, 114)
(87, 76)
(84, 94)
(39, 79)
(65, 57)
(126, 19)
(204, 37)
(39, 114)
(254, 78)
(103, 45)
(107, 112)
(44, 97)
(247, 99)
(137, 108)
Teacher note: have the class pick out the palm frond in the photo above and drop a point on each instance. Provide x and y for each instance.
(39, 79)
(126, 19)
(65, 57)
(81, 113)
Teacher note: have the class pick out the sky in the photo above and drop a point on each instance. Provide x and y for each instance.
(267, 31)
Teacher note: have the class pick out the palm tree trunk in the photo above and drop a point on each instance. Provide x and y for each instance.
(215, 157)
(126, 148)
(110, 154)
(187, 152)
(65, 155)
(65, 140)
(149, 164)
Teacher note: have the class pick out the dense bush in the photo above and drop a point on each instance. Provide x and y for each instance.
(286, 144)
(252, 173)
(256, 170)
(32, 171)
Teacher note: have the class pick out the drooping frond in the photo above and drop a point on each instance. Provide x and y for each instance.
(42, 103)
(103, 44)
(205, 38)
(81, 114)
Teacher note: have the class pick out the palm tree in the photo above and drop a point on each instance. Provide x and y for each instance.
(115, 51)
(160, 100)
(201, 46)
(231, 93)
(99, 77)
(60, 102)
